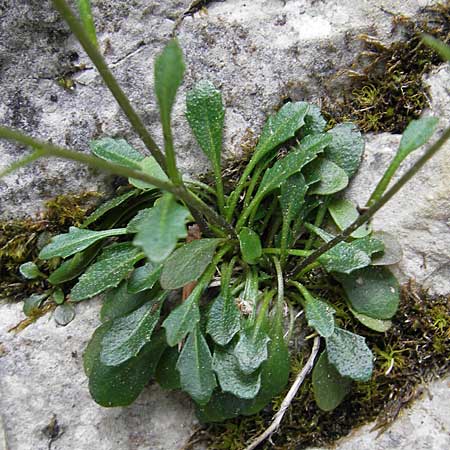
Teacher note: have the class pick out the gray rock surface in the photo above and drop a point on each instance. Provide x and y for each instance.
(259, 53)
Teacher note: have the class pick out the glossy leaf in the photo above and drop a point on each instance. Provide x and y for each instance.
(32, 303)
(344, 213)
(113, 265)
(280, 127)
(187, 263)
(163, 225)
(329, 387)
(129, 334)
(250, 245)
(205, 114)
(119, 302)
(344, 258)
(346, 148)
(166, 373)
(331, 177)
(392, 253)
(319, 315)
(64, 314)
(117, 151)
(169, 72)
(183, 318)
(108, 206)
(144, 277)
(417, 133)
(30, 271)
(292, 198)
(223, 319)
(350, 355)
(75, 266)
(372, 291)
(149, 166)
(195, 368)
(120, 385)
(374, 324)
(76, 240)
(231, 378)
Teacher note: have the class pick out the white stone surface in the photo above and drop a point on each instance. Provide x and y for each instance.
(258, 52)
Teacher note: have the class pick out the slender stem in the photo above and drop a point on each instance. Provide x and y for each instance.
(47, 149)
(97, 59)
(431, 151)
(292, 251)
(284, 241)
(219, 188)
(280, 289)
(318, 221)
(21, 163)
(288, 399)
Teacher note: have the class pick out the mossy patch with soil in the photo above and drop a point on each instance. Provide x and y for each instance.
(415, 350)
(387, 89)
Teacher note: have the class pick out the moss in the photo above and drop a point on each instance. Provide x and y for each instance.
(415, 350)
(386, 81)
(21, 240)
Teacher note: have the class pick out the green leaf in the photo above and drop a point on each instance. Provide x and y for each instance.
(292, 163)
(169, 71)
(437, 45)
(372, 291)
(223, 319)
(76, 240)
(346, 148)
(205, 114)
(250, 245)
(292, 198)
(320, 315)
(280, 127)
(144, 277)
(64, 314)
(84, 7)
(113, 265)
(137, 222)
(183, 318)
(166, 373)
(344, 213)
(149, 166)
(392, 253)
(230, 377)
(92, 352)
(332, 178)
(251, 348)
(121, 385)
(344, 258)
(58, 296)
(374, 324)
(329, 387)
(30, 271)
(108, 206)
(195, 368)
(314, 121)
(33, 302)
(350, 355)
(129, 334)
(73, 267)
(117, 151)
(187, 263)
(119, 302)
(163, 225)
(369, 245)
(417, 133)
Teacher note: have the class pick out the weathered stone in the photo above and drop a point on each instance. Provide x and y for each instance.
(259, 54)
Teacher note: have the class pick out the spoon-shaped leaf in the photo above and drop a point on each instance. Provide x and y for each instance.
(344, 213)
(292, 197)
(163, 225)
(195, 368)
(166, 373)
(76, 240)
(392, 251)
(117, 151)
(331, 177)
(250, 245)
(223, 319)
(30, 271)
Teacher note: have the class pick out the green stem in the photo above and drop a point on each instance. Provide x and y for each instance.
(97, 59)
(305, 293)
(318, 221)
(293, 252)
(219, 189)
(431, 151)
(280, 289)
(84, 7)
(45, 149)
(284, 243)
